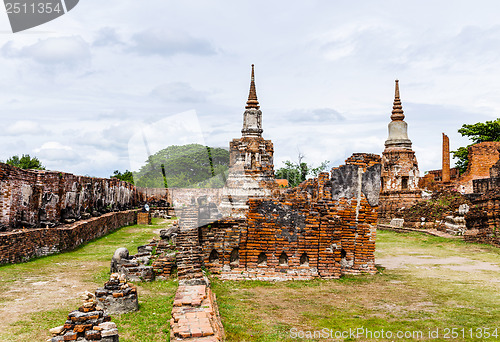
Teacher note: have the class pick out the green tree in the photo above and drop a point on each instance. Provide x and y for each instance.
(184, 166)
(478, 132)
(296, 173)
(25, 162)
(127, 176)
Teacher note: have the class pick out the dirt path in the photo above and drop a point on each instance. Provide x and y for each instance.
(32, 293)
(455, 263)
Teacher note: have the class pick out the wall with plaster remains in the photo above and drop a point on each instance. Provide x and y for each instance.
(31, 198)
(324, 228)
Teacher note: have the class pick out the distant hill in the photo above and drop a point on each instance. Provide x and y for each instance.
(186, 166)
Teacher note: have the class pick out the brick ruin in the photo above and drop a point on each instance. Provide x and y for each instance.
(325, 227)
(251, 166)
(400, 175)
(23, 245)
(474, 197)
(39, 198)
(483, 220)
(32, 198)
(482, 156)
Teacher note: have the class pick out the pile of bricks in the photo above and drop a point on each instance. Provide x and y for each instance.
(88, 323)
(117, 296)
(135, 267)
(164, 265)
(195, 316)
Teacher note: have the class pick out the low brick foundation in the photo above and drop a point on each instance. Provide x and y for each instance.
(21, 246)
(195, 315)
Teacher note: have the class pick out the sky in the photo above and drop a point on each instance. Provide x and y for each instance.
(101, 87)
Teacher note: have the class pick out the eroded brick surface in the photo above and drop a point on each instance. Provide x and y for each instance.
(195, 316)
(324, 228)
(20, 246)
(33, 198)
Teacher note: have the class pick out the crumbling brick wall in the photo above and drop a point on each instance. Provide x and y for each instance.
(176, 197)
(20, 246)
(483, 219)
(482, 157)
(325, 227)
(432, 180)
(30, 198)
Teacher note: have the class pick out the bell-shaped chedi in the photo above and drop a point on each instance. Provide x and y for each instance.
(398, 128)
(400, 175)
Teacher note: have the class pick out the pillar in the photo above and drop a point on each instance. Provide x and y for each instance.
(445, 177)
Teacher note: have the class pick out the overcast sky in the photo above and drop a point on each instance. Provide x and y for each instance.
(84, 91)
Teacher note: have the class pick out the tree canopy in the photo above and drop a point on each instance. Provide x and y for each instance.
(296, 173)
(478, 132)
(127, 176)
(25, 162)
(186, 166)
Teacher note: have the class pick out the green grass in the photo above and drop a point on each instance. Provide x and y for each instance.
(412, 299)
(150, 323)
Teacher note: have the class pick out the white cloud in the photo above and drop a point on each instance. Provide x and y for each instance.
(107, 36)
(54, 152)
(25, 127)
(168, 43)
(179, 92)
(68, 52)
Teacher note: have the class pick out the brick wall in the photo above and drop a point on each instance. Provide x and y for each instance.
(20, 246)
(325, 227)
(483, 220)
(432, 180)
(482, 157)
(176, 197)
(30, 198)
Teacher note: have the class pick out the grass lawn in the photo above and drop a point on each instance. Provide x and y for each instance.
(428, 285)
(37, 295)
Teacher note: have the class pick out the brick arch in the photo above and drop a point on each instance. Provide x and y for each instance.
(283, 259)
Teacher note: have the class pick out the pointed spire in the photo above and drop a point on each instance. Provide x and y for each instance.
(252, 102)
(397, 108)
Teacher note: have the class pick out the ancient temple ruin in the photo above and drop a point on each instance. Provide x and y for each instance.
(325, 227)
(400, 175)
(251, 166)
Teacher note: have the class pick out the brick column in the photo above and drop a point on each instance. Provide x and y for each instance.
(446, 159)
